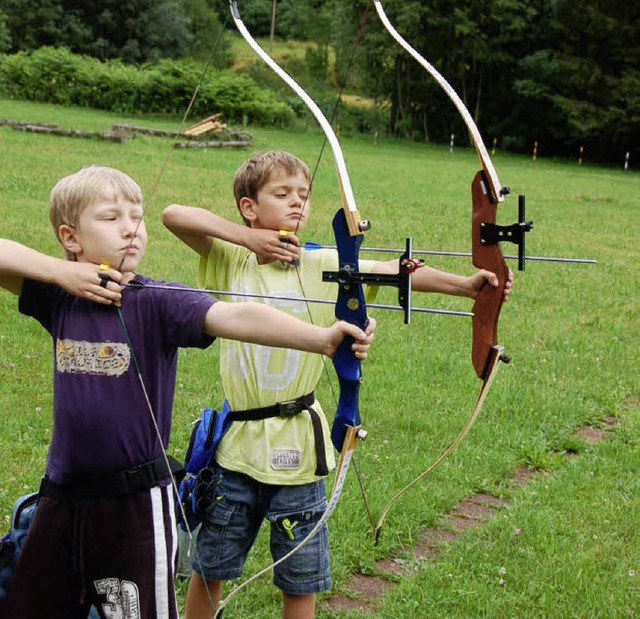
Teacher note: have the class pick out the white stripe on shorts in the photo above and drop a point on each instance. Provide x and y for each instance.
(160, 542)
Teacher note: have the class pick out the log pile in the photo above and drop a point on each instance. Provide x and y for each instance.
(192, 135)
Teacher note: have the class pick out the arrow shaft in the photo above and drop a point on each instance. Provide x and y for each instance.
(459, 254)
(247, 295)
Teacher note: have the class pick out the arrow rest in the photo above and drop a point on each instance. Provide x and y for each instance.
(349, 275)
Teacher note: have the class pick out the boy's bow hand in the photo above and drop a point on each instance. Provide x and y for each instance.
(478, 280)
(273, 245)
(361, 339)
(508, 286)
(97, 283)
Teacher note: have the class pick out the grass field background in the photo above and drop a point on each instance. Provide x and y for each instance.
(573, 332)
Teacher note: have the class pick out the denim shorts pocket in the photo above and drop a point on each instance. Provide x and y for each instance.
(212, 533)
(312, 559)
(221, 514)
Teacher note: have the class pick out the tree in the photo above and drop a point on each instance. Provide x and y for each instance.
(5, 35)
(134, 30)
(31, 24)
(206, 31)
(583, 82)
(472, 45)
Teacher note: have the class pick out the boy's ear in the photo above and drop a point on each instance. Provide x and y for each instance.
(247, 209)
(69, 238)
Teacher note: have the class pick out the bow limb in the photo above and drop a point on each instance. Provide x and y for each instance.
(351, 211)
(487, 193)
(481, 149)
(346, 454)
(486, 385)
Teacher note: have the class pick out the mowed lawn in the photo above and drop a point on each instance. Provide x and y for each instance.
(572, 330)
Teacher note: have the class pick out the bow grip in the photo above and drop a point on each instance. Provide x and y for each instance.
(350, 307)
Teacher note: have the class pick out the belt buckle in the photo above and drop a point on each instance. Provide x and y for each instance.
(288, 408)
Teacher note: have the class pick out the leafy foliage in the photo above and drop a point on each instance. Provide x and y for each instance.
(55, 75)
(5, 36)
(134, 31)
(552, 71)
(585, 78)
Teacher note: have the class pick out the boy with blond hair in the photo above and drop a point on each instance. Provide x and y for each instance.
(104, 529)
(272, 466)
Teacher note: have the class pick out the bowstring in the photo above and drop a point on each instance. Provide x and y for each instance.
(331, 119)
(152, 193)
(165, 163)
(488, 167)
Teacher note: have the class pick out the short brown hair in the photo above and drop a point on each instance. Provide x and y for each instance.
(74, 193)
(256, 171)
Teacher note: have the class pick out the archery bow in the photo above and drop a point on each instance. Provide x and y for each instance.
(487, 193)
(349, 228)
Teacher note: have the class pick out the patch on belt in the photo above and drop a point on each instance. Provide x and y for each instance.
(286, 459)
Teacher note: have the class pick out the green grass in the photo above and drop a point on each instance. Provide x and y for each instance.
(572, 331)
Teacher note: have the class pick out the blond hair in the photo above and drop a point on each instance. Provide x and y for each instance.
(89, 185)
(256, 172)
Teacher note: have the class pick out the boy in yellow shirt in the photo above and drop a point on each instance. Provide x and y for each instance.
(273, 467)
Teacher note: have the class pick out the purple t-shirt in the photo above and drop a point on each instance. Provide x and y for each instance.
(101, 419)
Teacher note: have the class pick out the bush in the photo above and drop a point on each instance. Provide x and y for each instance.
(55, 75)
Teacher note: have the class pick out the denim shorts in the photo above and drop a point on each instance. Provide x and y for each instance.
(231, 528)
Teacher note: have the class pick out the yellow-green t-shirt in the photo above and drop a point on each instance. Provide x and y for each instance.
(275, 450)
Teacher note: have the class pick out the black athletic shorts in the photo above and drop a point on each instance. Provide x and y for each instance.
(117, 553)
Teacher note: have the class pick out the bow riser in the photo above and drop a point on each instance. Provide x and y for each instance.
(488, 302)
(350, 307)
(356, 225)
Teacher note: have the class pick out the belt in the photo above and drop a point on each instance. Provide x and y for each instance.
(136, 479)
(289, 408)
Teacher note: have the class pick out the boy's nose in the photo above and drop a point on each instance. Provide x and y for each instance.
(129, 228)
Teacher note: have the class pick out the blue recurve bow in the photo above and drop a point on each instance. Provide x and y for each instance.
(349, 228)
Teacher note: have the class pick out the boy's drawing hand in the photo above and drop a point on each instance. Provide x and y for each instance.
(361, 339)
(97, 283)
(272, 245)
(482, 277)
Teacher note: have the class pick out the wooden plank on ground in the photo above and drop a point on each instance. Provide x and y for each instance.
(133, 130)
(72, 133)
(24, 123)
(211, 124)
(213, 144)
